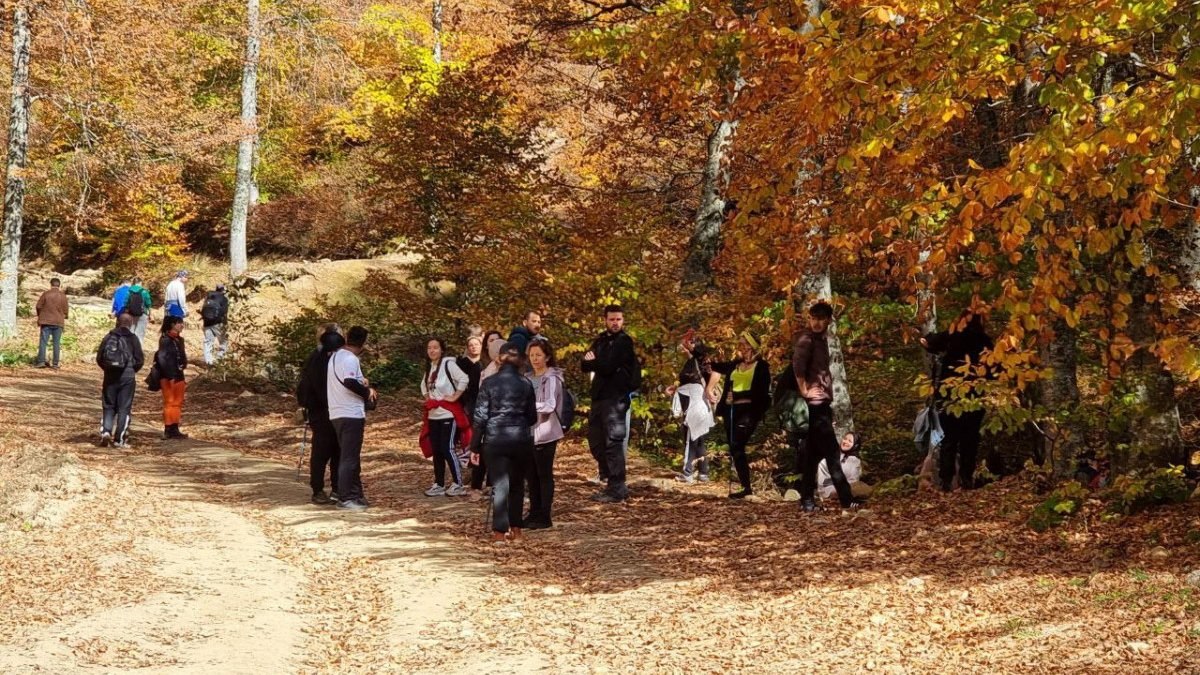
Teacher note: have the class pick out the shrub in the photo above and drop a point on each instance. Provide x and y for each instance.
(1061, 503)
(900, 486)
(1139, 490)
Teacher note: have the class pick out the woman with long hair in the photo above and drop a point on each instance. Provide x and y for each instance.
(504, 418)
(744, 403)
(492, 341)
(692, 398)
(442, 386)
(171, 360)
(549, 388)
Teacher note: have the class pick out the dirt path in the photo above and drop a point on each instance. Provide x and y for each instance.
(252, 578)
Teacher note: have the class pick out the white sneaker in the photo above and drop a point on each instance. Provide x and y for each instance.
(596, 480)
(703, 478)
(686, 479)
(455, 490)
(435, 491)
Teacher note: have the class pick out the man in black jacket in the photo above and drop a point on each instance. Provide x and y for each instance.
(214, 313)
(312, 395)
(615, 376)
(120, 356)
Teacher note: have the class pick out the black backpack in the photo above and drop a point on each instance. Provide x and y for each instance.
(115, 353)
(136, 304)
(211, 311)
(567, 416)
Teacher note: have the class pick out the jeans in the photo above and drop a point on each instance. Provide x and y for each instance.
(608, 440)
(117, 401)
(214, 333)
(350, 433)
(962, 444)
(139, 326)
(441, 436)
(324, 453)
(740, 424)
(822, 444)
(694, 451)
(508, 465)
(541, 482)
(50, 333)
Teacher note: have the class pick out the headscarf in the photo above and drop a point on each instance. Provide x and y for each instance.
(751, 340)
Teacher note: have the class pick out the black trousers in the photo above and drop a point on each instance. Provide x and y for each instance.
(695, 458)
(441, 435)
(508, 465)
(608, 439)
(740, 424)
(960, 448)
(541, 482)
(822, 444)
(117, 401)
(350, 441)
(324, 453)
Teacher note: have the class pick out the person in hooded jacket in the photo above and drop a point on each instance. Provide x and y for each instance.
(312, 395)
(171, 359)
(504, 417)
(528, 331)
(550, 389)
(119, 383)
(492, 342)
(744, 402)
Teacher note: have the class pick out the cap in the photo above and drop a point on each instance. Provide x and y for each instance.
(510, 349)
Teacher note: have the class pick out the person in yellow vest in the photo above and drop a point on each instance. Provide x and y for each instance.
(744, 402)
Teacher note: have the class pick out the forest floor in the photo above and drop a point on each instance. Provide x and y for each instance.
(205, 556)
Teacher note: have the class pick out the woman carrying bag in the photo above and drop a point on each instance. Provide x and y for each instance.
(170, 362)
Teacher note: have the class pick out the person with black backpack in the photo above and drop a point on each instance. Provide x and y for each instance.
(616, 376)
(555, 411)
(138, 306)
(214, 312)
(120, 357)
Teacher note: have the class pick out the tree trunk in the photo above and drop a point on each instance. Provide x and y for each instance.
(819, 287)
(1191, 244)
(437, 31)
(1155, 427)
(246, 145)
(1063, 434)
(14, 186)
(710, 216)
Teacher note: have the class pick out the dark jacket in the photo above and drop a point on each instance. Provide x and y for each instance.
(759, 398)
(311, 393)
(171, 358)
(614, 366)
(521, 337)
(135, 348)
(955, 350)
(471, 395)
(810, 362)
(506, 410)
(222, 308)
(53, 308)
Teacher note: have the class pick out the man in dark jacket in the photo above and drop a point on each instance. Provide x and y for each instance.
(810, 362)
(615, 373)
(529, 329)
(214, 313)
(961, 351)
(312, 395)
(120, 356)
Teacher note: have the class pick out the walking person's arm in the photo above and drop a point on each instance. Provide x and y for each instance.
(139, 356)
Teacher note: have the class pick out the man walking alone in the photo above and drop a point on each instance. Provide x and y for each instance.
(348, 391)
(616, 374)
(214, 313)
(138, 306)
(810, 362)
(52, 310)
(175, 297)
(120, 356)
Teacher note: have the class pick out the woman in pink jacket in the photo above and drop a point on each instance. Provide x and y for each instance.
(550, 389)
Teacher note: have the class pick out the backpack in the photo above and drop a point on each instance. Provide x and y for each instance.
(566, 417)
(115, 353)
(211, 311)
(136, 304)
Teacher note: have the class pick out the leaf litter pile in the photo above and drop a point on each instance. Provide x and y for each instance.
(681, 579)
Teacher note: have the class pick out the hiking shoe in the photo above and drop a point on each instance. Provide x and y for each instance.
(686, 479)
(352, 505)
(333, 497)
(809, 506)
(537, 525)
(455, 490)
(122, 445)
(703, 478)
(436, 491)
(606, 497)
(105, 439)
(321, 499)
(741, 494)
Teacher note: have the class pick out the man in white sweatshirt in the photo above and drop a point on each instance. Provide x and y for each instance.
(175, 299)
(348, 392)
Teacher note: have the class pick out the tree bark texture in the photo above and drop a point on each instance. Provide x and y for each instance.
(246, 144)
(437, 31)
(14, 185)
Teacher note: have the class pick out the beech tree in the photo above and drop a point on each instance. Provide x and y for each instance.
(14, 184)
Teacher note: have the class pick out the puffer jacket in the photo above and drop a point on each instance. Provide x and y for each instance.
(506, 410)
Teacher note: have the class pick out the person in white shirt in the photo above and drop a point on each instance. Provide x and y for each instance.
(443, 384)
(175, 298)
(851, 467)
(348, 392)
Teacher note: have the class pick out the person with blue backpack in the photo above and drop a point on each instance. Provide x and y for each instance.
(120, 356)
(555, 412)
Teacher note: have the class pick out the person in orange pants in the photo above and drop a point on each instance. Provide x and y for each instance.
(171, 360)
